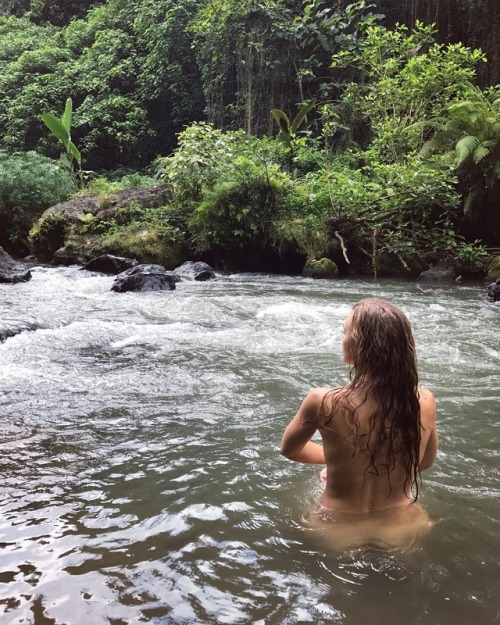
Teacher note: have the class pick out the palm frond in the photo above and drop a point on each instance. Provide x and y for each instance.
(465, 148)
(482, 151)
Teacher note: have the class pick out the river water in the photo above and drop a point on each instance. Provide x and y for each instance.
(140, 475)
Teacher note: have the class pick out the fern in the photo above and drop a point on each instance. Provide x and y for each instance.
(482, 151)
(465, 148)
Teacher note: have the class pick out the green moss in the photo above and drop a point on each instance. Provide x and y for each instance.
(307, 234)
(322, 268)
(145, 244)
(46, 236)
(493, 269)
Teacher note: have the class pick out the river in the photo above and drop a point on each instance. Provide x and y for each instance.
(141, 480)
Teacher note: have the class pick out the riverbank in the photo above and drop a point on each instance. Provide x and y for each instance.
(140, 223)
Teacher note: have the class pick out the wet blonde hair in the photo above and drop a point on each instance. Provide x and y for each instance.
(381, 349)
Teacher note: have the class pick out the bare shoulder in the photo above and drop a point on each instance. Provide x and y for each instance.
(427, 407)
(313, 403)
(315, 397)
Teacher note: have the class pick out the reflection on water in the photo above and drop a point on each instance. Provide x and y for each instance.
(140, 474)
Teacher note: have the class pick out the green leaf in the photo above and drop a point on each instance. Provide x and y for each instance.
(470, 199)
(282, 120)
(67, 117)
(465, 148)
(56, 128)
(303, 111)
(483, 150)
(75, 152)
(65, 161)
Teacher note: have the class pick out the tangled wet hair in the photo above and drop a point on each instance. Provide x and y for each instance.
(381, 349)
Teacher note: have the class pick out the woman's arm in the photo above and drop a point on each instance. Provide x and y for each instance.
(430, 452)
(428, 421)
(296, 443)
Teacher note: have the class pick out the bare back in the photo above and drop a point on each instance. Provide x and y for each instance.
(350, 487)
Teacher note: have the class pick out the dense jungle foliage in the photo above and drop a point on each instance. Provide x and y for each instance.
(285, 128)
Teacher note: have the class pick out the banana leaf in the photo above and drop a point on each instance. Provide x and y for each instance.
(299, 118)
(68, 114)
(282, 120)
(75, 152)
(56, 128)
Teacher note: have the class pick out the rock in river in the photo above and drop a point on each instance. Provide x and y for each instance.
(112, 265)
(191, 270)
(144, 278)
(11, 270)
(494, 290)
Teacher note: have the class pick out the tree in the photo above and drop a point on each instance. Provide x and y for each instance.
(403, 78)
(469, 134)
(245, 50)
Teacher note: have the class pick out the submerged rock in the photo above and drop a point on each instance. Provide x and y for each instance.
(494, 290)
(144, 278)
(109, 264)
(11, 270)
(9, 328)
(191, 270)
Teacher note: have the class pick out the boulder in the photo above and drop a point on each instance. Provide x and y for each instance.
(493, 269)
(80, 207)
(60, 257)
(322, 268)
(109, 264)
(494, 290)
(442, 271)
(144, 278)
(79, 219)
(11, 270)
(191, 270)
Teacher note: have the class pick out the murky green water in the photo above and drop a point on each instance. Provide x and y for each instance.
(140, 475)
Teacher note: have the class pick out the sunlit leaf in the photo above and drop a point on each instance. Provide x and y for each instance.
(56, 128)
(67, 117)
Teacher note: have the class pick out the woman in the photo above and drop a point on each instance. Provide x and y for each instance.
(378, 431)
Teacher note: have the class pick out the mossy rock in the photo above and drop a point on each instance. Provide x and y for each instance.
(493, 269)
(390, 265)
(144, 244)
(89, 215)
(322, 268)
(47, 235)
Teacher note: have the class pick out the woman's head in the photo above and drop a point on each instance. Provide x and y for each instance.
(378, 340)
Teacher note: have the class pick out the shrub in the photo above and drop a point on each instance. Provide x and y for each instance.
(239, 212)
(29, 184)
(471, 258)
(205, 155)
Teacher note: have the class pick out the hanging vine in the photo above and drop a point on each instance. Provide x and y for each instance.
(245, 50)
